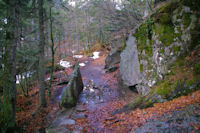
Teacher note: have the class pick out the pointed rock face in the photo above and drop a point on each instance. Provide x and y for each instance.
(129, 64)
(73, 89)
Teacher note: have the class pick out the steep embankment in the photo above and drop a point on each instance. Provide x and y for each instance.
(161, 44)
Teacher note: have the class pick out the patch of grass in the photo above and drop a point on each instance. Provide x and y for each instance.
(163, 89)
(137, 101)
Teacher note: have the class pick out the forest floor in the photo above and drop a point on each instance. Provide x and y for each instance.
(100, 97)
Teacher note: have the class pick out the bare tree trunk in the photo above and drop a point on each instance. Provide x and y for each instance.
(41, 74)
(52, 53)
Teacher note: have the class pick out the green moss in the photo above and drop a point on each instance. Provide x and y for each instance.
(165, 33)
(178, 35)
(150, 67)
(161, 51)
(144, 37)
(163, 89)
(186, 19)
(176, 48)
(137, 102)
(163, 18)
(169, 7)
(141, 67)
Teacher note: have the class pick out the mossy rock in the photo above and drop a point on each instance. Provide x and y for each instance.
(73, 89)
(141, 67)
(186, 19)
(161, 51)
(144, 37)
(165, 33)
(176, 48)
(168, 7)
(163, 18)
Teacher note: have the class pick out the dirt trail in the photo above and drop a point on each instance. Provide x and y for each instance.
(100, 96)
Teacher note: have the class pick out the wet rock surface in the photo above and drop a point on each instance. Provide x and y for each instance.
(186, 120)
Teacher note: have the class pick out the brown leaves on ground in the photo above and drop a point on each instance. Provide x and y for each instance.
(100, 120)
(136, 118)
(29, 116)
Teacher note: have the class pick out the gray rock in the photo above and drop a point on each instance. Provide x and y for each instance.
(129, 64)
(62, 121)
(80, 109)
(73, 89)
(112, 59)
(112, 69)
(58, 130)
(78, 116)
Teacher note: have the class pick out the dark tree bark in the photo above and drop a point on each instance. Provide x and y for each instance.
(41, 71)
(9, 62)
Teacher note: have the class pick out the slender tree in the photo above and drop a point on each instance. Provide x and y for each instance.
(52, 51)
(41, 71)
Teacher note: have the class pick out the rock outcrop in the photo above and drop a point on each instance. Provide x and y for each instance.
(129, 64)
(73, 89)
(171, 31)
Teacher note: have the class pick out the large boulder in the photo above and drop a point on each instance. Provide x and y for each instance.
(112, 58)
(129, 64)
(73, 89)
(158, 42)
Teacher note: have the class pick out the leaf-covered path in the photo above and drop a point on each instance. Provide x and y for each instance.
(100, 91)
(100, 97)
